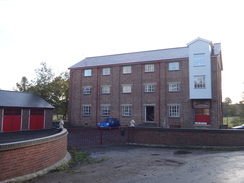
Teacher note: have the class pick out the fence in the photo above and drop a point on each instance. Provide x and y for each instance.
(92, 136)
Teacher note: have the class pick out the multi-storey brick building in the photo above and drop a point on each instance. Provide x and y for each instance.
(168, 87)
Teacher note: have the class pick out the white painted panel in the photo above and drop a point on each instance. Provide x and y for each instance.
(200, 47)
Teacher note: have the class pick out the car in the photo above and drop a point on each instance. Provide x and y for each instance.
(239, 127)
(109, 123)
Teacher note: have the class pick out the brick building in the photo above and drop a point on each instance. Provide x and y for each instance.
(24, 111)
(176, 87)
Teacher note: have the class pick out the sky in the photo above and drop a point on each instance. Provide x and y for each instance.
(63, 32)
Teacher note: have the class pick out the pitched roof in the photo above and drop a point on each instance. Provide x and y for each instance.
(22, 99)
(129, 58)
(199, 39)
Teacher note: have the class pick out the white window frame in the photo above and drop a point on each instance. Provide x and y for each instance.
(174, 66)
(200, 82)
(174, 111)
(86, 110)
(149, 68)
(106, 89)
(126, 88)
(127, 69)
(149, 87)
(88, 72)
(105, 110)
(87, 90)
(126, 110)
(174, 87)
(199, 60)
(106, 71)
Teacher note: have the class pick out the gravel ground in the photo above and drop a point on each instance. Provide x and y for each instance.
(127, 164)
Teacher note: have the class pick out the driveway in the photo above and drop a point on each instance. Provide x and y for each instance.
(130, 164)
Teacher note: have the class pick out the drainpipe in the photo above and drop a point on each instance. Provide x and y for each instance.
(159, 91)
(97, 88)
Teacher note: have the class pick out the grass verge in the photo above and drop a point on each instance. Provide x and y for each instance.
(77, 157)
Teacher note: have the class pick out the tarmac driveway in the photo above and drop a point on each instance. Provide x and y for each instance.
(130, 164)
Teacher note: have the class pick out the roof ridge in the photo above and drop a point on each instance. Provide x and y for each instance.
(135, 52)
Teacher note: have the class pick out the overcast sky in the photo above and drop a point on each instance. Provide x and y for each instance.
(63, 32)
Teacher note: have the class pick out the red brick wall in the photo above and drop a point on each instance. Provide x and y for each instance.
(31, 157)
(186, 137)
(160, 99)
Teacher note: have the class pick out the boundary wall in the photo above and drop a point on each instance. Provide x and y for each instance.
(186, 137)
(24, 160)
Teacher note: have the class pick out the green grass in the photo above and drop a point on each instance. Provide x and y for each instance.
(232, 121)
(77, 157)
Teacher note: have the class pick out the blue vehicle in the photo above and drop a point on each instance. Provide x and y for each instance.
(109, 123)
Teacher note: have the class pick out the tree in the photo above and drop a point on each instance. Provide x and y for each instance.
(44, 75)
(59, 88)
(242, 98)
(228, 108)
(228, 100)
(23, 85)
(40, 85)
(52, 89)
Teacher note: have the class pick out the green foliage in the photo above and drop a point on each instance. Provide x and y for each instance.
(23, 85)
(228, 100)
(52, 89)
(237, 121)
(233, 121)
(229, 109)
(77, 157)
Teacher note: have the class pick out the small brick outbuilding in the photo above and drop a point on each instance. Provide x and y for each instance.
(24, 111)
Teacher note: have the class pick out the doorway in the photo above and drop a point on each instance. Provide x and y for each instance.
(202, 116)
(149, 113)
(36, 119)
(12, 119)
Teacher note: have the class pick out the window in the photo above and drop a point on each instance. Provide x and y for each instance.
(87, 72)
(87, 90)
(105, 89)
(86, 110)
(174, 87)
(126, 69)
(199, 82)
(106, 71)
(37, 112)
(174, 111)
(173, 66)
(199, 60)
(149, 88)
(126, 110)
(126, 88)
(149, 68)
(105, 110)
(12, 111)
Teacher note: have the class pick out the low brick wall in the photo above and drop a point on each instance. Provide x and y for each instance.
(186, 137)
(30, 156)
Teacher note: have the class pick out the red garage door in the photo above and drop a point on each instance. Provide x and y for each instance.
(12, 119)
(202, 116)
(36, 119)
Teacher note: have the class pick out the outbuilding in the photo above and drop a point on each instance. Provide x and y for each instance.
(24, 111)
